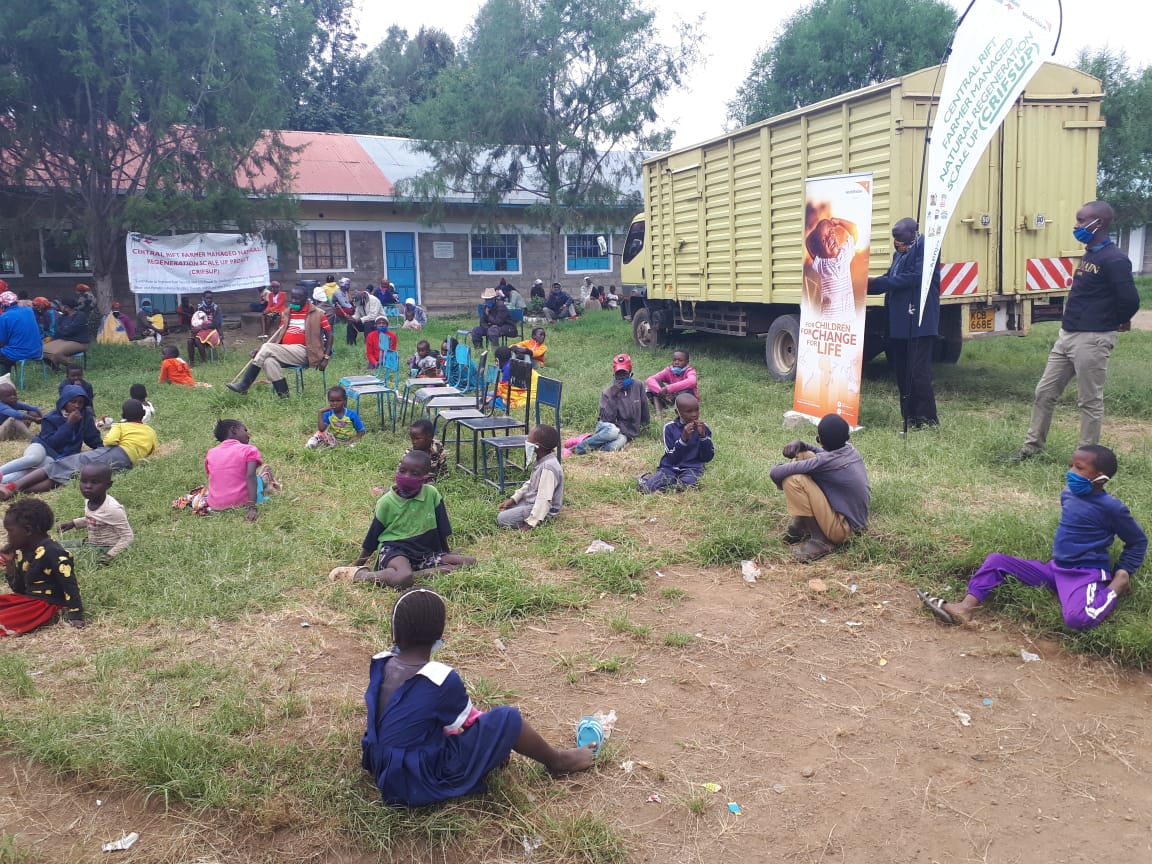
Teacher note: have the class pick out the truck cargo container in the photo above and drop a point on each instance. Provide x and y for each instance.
(719, 246)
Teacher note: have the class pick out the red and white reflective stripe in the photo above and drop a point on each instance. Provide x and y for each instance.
(1049, 274)
(957, 280)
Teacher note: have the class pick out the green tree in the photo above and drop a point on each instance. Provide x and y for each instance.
(148, 114)
(401, 72)
(553, 98)
(834, 46)
(1125, 172)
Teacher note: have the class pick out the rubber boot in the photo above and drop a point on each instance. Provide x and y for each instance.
(280, 388)
(246, 381)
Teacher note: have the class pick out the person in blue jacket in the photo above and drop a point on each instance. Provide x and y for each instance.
(910, 340)
(19, 332)
(63, 432)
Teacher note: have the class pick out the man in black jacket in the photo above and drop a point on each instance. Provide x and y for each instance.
(1100, 306)
(910, 339)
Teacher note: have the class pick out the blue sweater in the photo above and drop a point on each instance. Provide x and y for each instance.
(63, 439)
(1088, 525)
(680, 454)
(20, 334)
(901, 289)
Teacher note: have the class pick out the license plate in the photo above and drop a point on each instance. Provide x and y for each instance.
(981, 320)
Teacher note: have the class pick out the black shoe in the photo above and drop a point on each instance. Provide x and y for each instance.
(246, 381)
(280, 388)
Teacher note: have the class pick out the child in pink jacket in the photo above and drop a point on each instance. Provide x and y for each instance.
(669, 382)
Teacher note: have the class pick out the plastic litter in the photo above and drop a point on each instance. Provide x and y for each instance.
(882, 662)
(531, 844)
(499, 644)
(965, 718)
(987, 703)
(121, 845)
(654, 798)
(599, 546)
(1029, 657)
(627, 766)
(595, 728)
(852, 588)
(711, 787)
(750, 571)
(733, 807)
(854, 623)
(779, 788)
(305, 624)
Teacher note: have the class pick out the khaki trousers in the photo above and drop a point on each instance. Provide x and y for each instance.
(805, 498)
(1083, 356)
(272, 356)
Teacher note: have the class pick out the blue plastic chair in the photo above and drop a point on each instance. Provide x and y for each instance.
(19, 368)
(384, 388)
(299, 370)
(548, 393)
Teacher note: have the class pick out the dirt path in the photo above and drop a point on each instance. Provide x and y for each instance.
(1142, 320)
(858, 688)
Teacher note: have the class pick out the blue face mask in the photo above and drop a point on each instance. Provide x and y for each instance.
(625, 383)
(1079, 485)
(1085, 234)
(677, 370)
(382, 328)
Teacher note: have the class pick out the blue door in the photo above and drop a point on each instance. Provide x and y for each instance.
(400, 258)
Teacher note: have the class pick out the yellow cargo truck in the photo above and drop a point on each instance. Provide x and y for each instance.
(719, 246)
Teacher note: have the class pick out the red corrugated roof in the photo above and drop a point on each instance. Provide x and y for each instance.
(332, 164)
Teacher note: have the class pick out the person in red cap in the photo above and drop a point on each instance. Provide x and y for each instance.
(623, 411)
(86, 303)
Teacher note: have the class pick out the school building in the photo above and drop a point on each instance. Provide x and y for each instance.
(350, 223)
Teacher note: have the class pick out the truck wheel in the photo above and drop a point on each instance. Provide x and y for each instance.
(947, 350)
(780, 348)
(643, 332)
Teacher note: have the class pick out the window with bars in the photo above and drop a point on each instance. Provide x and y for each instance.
(324, 250)
(495, 253)
(8, 262)
(584, 254)
(64, 251)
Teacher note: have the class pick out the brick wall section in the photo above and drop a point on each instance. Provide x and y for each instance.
(448, 288)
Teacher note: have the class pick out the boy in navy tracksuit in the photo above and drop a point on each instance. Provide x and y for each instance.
(687, 448)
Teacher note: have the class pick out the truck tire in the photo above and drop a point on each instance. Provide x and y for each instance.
(643, 332)
(780, 347)
(948, 350)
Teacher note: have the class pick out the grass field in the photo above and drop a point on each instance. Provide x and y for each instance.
(179, 689)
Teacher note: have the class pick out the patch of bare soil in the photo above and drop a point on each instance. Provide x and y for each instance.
(1142, 320)
(845, 724)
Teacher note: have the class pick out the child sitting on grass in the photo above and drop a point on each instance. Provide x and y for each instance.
(1081, 572)
(337, 424)
(174, 369)
(669, 382)
(62, 432)
(140, 393)
(425, 742)
(39, 572)
(237, 476)
(543, 494)
(16, 417)
(125, 444)
(687, 448)
(421, 434)
(74, 376)
(104, 518)
(409, 531)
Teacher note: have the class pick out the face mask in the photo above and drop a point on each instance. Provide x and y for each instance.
(1085, 233)
(295, 307)
(529, 451)
(408, 486)
(1081, 486)
(383, 329)
(626, 382)
(900, 246)
(677, 370)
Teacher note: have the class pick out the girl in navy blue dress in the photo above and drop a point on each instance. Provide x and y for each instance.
(425, 742)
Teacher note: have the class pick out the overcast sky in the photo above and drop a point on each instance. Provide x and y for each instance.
(736, 31)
